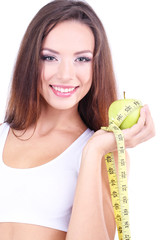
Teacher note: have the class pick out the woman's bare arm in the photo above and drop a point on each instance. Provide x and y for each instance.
(87, 219)
(92, 215)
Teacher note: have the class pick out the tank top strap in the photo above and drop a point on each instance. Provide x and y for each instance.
(4, 129)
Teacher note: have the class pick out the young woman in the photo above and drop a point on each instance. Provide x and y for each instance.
(53, 180)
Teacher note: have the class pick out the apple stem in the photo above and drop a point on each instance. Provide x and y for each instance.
(124, 95)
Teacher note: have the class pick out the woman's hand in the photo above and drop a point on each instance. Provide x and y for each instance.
(142, 131)
(104, 142)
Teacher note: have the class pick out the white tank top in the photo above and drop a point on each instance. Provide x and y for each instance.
(41, 195)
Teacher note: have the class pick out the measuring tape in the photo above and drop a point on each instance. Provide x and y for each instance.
(118, 185)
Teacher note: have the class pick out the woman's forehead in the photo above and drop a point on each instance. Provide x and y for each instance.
(70, 35)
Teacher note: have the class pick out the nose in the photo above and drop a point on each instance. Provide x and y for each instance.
(66, 70)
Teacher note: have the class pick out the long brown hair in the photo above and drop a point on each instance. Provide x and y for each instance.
(24, 102)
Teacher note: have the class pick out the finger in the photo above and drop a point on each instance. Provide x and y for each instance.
(149, 129)
(141, 121)
(143, 114)
(136, 128)
(141, 131)
(149, 119)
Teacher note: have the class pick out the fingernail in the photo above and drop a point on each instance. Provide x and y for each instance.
(143, 109)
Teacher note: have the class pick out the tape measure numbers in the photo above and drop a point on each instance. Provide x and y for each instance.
(118, 184)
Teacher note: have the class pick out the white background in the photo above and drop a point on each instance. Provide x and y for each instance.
(133, 29)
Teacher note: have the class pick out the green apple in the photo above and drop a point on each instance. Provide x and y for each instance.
(119, 105)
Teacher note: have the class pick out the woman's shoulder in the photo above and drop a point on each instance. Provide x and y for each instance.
(84, 138)
(2, 124)
(88, 133)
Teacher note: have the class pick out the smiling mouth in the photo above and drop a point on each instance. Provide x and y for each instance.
(62, 91)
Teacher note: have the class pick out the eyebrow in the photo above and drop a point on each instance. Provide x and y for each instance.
(84, 51)
(55, 52)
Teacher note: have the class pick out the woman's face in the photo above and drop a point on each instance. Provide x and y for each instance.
(66, 60)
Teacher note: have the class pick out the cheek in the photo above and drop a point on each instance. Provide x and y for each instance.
(86, 76)
(47, 73)
(45, 76)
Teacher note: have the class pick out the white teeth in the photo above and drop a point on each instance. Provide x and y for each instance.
(63, 90)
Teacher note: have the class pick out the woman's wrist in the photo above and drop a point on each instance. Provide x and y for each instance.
(101, 143)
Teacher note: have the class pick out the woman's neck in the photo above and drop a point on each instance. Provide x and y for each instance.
(55, 119)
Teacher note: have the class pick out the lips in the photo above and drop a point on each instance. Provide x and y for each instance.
(63, 91)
